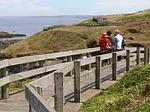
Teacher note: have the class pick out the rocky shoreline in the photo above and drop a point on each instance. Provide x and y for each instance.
(5, 43)
(7, 35)
(7, 39)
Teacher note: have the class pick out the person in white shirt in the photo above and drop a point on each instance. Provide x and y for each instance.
(118, 39)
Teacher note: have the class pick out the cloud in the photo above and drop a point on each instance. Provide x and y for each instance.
(24, 7)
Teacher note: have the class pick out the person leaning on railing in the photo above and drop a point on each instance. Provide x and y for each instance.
(118, 41)
(105, 44)
(105, 47)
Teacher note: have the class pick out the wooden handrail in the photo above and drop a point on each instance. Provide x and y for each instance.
(36, 58)
(49, 78)
(63, 67)
(41, 105)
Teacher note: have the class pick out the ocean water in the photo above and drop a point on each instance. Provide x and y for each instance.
(32, 25)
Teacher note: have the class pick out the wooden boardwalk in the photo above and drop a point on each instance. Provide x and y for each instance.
(18, 103)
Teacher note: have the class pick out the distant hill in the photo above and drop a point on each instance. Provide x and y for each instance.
(121, 18)
(139, 16)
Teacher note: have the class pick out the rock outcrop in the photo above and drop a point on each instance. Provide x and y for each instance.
(7, 35)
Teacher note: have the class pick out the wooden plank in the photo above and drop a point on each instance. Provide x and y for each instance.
(4, 63)
(138, 56)
(98, 73)
(30, 73)
(59, 97)
(87, 61)
(148, 58)
(77, 81)
(114, 66)
(35, 58)
(28, 59)
(27, 74)
(145, 55)
(65, 68)
(69, 58)
(89, 56)
(36, 101)
(45, 81)
(128, 60)
(4, 81)
(5, 88)
(83, 73)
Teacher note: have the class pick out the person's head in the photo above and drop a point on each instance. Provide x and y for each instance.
(109, 33)
(116, 32)
(104, 35)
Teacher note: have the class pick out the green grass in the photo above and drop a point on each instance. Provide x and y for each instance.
(19, 85)
(133, 18)
(127, 95)
(90, 22)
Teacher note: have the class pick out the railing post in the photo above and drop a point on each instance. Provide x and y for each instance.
(145, 55)
(59, 97)
(90, 65)
(69, 58)
(77, 68)
(127, 60)
(148, 58)
(5, 88)
(98, 73)
(138, 56)
(114, 66)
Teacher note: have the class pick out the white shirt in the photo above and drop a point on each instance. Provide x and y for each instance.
(118, 42)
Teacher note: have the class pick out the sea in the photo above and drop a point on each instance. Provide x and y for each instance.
(33, 24)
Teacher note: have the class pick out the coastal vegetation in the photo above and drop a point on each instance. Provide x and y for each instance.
(141, 16)
(89, 22)
(130, 94)
(70, 37)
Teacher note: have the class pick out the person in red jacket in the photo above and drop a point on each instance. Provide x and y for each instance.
(105, 43)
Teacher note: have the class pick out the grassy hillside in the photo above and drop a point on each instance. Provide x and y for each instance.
(57, 39)
(89, 22)
(140, 16)
(119, 18)
(62, 38)
(130, 94)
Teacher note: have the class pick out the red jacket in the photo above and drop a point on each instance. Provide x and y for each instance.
(104, 44)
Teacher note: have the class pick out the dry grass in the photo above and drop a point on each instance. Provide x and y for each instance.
(71, 37)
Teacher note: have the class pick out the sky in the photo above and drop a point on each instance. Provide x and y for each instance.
(70, 7)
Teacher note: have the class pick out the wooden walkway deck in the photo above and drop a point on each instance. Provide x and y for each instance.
(18, 103)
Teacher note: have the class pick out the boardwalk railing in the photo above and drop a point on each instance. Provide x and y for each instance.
(34, 95)
(6, 77)
(51, 92)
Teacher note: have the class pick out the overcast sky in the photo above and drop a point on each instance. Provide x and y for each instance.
(69, 7)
